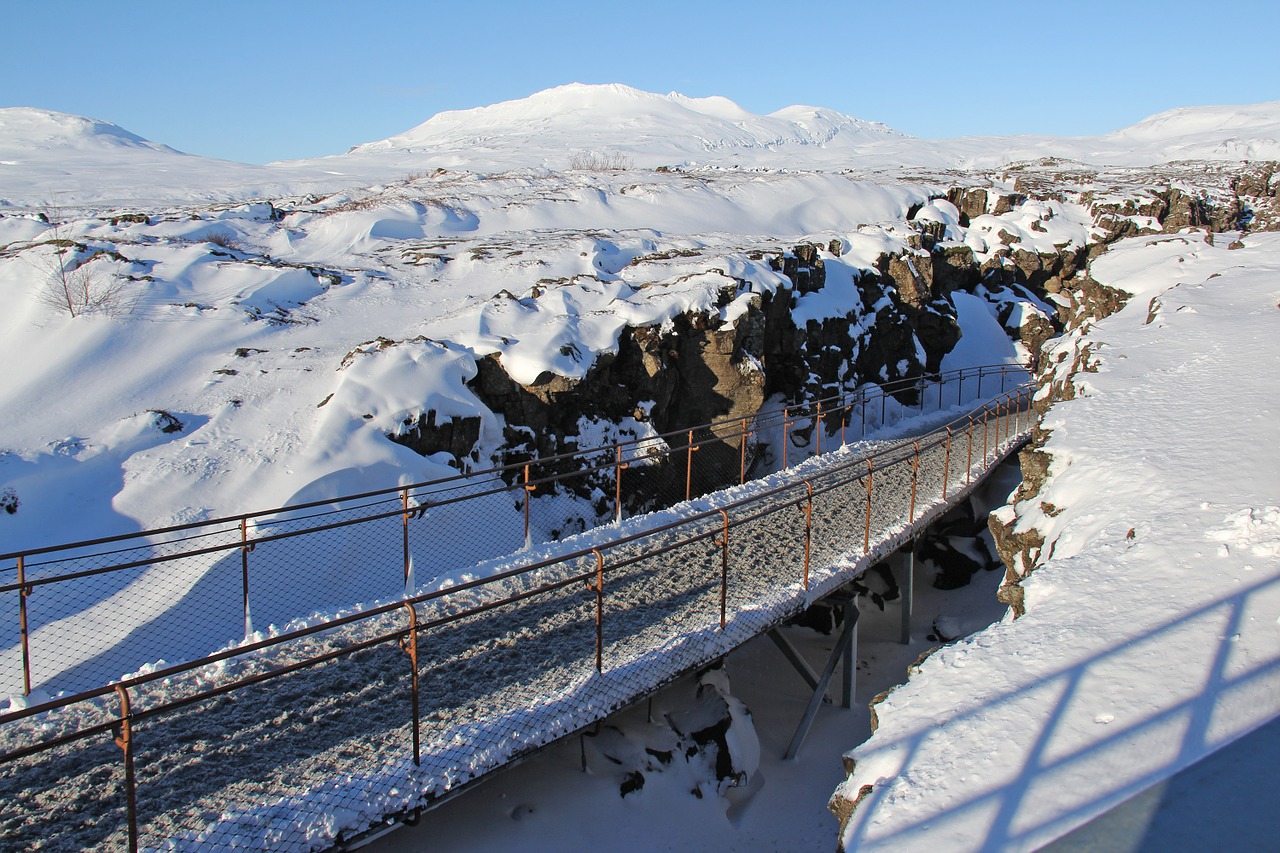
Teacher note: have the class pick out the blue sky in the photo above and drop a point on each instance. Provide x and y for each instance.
(264, 80)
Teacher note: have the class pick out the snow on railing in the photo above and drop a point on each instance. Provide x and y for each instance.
(177, 593)
(833, 494)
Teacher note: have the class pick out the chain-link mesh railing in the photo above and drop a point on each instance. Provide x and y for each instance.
(89, 613)
(463, 678)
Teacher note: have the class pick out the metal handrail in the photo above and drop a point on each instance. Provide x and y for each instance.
(847, 401)
(24, 584)
(841, 473)
(934, 439)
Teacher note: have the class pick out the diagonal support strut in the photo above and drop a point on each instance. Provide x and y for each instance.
(846, 649)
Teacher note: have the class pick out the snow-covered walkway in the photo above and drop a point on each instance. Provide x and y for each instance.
(289, 763)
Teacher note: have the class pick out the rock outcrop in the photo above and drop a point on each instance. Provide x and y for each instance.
(1248, 202)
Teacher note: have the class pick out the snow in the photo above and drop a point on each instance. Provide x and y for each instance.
(1149, 637)
(48, 157)
(982, 338)
(288, 338)
(254, 309)
(349, 774)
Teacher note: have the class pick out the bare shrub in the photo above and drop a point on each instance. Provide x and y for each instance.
(71, 285)
(594, 161)
(225, 240)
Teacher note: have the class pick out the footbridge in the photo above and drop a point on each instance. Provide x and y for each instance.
(292, 678)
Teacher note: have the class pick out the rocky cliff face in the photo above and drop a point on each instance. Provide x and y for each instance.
(997, 238)
(1234, 199)
(697, 368)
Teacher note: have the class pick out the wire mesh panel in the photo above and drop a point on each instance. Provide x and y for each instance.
(767, 554)
(463, 525)
(162, 611)
(325, 571)
(290, 735)
(839, 516)
(322, 722)
(655, 600)
(69, 798)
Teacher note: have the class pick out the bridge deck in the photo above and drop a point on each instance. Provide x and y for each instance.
(504, 668)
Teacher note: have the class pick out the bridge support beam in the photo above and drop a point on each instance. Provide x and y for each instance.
(907, 590)
(794, 658)
(846, 649)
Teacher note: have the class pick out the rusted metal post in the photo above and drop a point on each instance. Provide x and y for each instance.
(410, 644)
(942, 384)
(124, 740)
(404, 525)
(723, 544)
(946, 466)
(862, 413)
(844, 423)
(688, 468)
(742, 454)
(986, 418)
(808, 530)
(23, 592)
(866, 530)
(818, 428)
(907, 593)
(968, 469)
(618, 467)
(786, 434)
(999, 422)
(245, 548)
(915, 475)
(599, 591)
(528, 498)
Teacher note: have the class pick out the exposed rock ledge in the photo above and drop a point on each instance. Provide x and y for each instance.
(1062, 362)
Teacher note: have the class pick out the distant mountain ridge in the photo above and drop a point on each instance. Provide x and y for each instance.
(46, 154)
(24, 129)
(632, 118)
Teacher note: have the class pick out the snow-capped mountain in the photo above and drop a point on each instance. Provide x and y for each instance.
(650, 129)
(49, 158)
(552, 128)
(24, 130)
(1246, 132)
(46, 155)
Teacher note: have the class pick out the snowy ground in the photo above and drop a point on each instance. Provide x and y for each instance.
(260, 336)
(497, 683)
(1150, 637)
(249, 323)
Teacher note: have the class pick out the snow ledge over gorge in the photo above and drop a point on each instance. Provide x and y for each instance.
(1150, 635)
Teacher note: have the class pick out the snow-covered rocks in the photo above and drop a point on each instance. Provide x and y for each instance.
(1147, 640)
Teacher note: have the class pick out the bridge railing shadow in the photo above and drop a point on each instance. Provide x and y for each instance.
(1081, 775)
